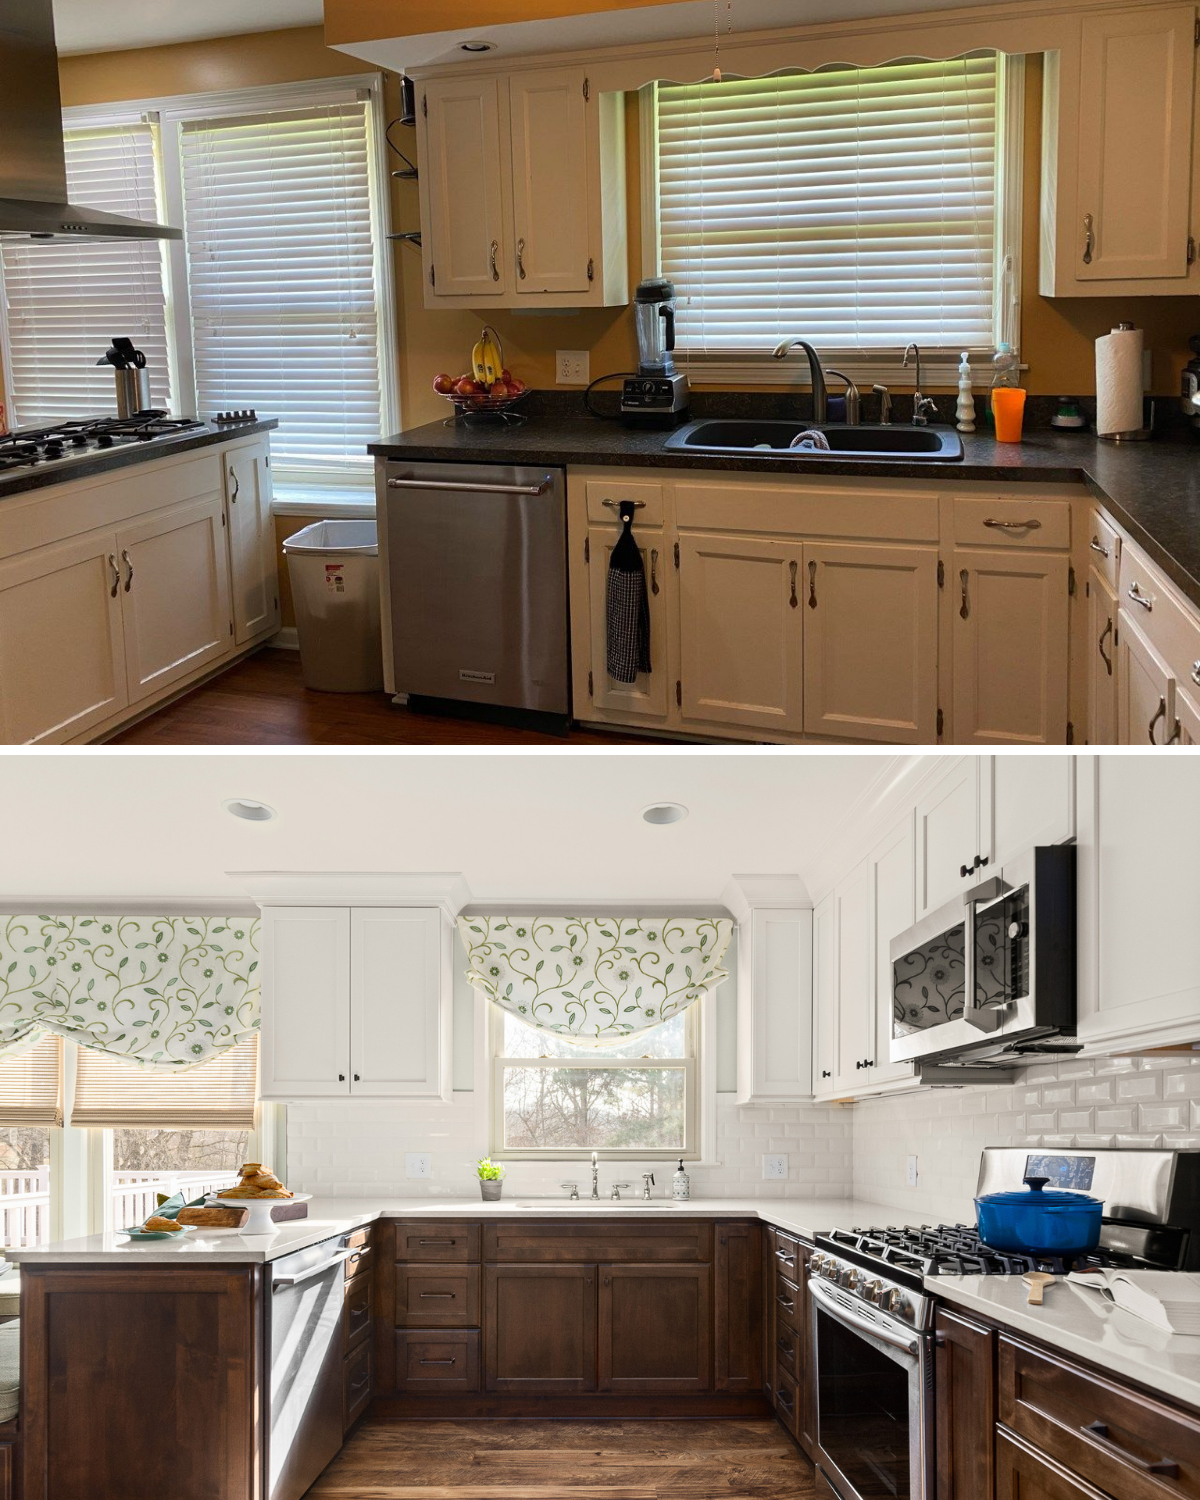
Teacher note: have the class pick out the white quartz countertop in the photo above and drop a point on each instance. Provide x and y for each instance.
(328, 1217)
(1076, 1321)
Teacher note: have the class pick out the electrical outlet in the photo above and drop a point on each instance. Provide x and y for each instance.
(418, 1164)
(574, 367)
(912, 1171)
(774, 1166)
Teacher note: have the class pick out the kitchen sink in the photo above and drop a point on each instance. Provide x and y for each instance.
(774, 439)
(596, 1205)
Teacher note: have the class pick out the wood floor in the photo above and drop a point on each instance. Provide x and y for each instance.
(725, 1460)
(263, 701)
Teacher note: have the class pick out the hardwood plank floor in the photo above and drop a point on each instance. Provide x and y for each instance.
(263, 701)
(726, 1460)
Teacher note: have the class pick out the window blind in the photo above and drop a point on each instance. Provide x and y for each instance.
(216, 1095)
(854, 207)
(282, 280)
(64, 300)
(31, 1085)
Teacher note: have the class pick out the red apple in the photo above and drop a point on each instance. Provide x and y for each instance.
(466, 387)
(444, 384)
(498, 388)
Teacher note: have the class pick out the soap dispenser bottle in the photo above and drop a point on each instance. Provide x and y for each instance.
(681, 1187)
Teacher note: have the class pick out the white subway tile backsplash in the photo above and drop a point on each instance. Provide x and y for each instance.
(1142, 1085)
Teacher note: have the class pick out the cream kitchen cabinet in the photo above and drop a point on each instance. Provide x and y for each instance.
(645, 700)
(1119, 194)
(502, 225)
(870, 641)
(1102, 651)
(775, 988)
(355, 1002)
(253, 565)
(825, 998)
(1187, 714)
(1145, 688)
(1158, 654)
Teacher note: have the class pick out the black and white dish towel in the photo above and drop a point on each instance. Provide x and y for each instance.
(627, 604)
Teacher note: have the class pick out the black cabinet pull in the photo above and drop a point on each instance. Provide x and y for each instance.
(1098, 1432)
(437, 1242)
(439, 1361)
(358, 1384)
(341, 1077)
(357, 1078)
(451, 1295)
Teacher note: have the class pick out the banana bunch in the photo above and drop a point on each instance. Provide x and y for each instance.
(487, 358)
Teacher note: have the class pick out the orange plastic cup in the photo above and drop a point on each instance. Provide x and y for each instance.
(1008, 410)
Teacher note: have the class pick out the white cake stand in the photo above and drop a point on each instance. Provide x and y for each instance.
(258, 1220)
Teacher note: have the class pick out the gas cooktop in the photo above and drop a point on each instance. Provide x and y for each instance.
(85, 437)
(951, 1250)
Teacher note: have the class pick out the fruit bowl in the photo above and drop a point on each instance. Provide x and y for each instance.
(499, 407)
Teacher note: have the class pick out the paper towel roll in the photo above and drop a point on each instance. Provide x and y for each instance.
(1119, 380)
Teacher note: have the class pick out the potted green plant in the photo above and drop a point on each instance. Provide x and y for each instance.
(491, 1178)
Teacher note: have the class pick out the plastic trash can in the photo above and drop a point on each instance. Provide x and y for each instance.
(334, 571)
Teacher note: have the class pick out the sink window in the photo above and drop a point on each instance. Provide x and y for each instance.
(552, 1099)
(858, 208)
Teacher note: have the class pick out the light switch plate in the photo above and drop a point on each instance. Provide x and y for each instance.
(573, 367)
(912, 1171)
(775, 1166)
(418, 1164)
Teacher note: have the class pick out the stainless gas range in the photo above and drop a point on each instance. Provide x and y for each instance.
(872, 1308)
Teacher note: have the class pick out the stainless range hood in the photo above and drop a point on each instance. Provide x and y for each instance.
(33, 172)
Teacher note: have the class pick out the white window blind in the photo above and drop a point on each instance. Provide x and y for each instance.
(854, 207)
(282, 280)
(64, 299)
(219, 1094)
(31, 1085)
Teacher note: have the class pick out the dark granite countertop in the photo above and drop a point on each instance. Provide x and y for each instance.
(22, 480)
(1151, 489)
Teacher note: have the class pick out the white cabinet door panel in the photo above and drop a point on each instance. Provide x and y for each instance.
(825, 998)
(1145, 688)
(550, 181)
(464, 176)
(646, 697)
(953, 830)
(781, 976)
(1102, 651)
(305, 1050)
(852, 898)
(1033, 799)
(395, 1001)
(253, 562)
(892, 912)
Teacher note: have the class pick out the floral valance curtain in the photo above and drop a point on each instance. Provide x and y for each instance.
(164, 991)
(595, 981)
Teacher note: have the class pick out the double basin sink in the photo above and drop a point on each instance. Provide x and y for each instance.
(774, 439)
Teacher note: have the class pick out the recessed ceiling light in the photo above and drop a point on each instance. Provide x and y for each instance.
(249, 810)
(665, 812)
(477, 46)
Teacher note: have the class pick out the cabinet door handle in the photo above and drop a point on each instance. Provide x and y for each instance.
(825, 1073)
(1096, 547)
(1196, 673)
(357, 1385)
(437, 1242)
(358, 1077)
(812, 585)
(359, 1312)
(784, 1402)
(357, 1256)
(654, 571)
(794, 602)
(784, 1302)
(1175, 733)
(1098, 1432)
(450, 1295)
(964, 608)
(1015, 526)
(128, 561)
(521, 259)
(237, 489)
(1138, 597)
(788, 1260)
(1104, 657)
(116, 577)
(495, 260)
(1159, 713)
(341, 1077)
(439, 1361)
(1089, 238)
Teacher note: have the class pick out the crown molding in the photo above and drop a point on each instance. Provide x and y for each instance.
(747, 893)
(448, 890)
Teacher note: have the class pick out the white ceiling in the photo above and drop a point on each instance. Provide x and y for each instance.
(106, 827)
(107, 25)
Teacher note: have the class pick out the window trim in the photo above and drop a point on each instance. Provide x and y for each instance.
(939, 365)
(691, 1065)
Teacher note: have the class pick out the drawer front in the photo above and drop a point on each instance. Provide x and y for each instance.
(805, 508)
(647, 496)
(361, 1261)
(787, 1304)
(1104, 548)
(1122, 1442)
(617, 1241)
(787, 1401)
(1013, 522)
(1170, 626)
(358, 1239)
(357, 1384)
(358, 1308)
(786, 1255)
(430, 1298)
(787, 1352)
(431, 1239)
(437, 1362)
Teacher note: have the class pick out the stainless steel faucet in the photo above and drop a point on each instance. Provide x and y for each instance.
(616, 1192)
(647, 1182)
(816, 378)
(853, 399)
(923, 406)
(595, 1175)
(574, 1186)
(885, 404)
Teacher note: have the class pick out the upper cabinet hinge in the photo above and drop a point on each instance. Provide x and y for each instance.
(1196, 34)
(587, 549)
(425, 105)
(1071, 582)
(1087, 589)
(941, 724)
(677, 554)
(1191, 248)
(231, 627)
(591, 685)
(1070, 733)
(941, 574)
(223, 520)
(267, 459)
(679, 694)
(587, 90)
(591, 269)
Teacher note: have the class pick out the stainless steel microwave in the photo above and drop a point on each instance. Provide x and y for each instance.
(990, 977)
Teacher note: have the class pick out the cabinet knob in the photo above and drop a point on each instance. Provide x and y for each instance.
(357, 1078)
(341, 1077)
(825, 1073)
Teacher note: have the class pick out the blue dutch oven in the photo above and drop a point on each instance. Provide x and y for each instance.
(1031, 1221)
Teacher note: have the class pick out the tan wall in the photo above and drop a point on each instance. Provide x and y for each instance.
(1057, 340)
(365, 20)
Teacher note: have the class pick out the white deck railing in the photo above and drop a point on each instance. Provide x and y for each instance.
(134, 1195)
(25, 1207)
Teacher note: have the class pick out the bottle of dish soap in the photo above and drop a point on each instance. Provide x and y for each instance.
(681, 1186)
(965, 410)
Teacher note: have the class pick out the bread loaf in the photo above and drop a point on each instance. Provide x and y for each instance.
(213, 1218)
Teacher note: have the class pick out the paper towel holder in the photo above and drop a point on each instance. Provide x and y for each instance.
(1137, 434)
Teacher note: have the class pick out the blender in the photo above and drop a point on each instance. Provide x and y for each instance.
(658, 393)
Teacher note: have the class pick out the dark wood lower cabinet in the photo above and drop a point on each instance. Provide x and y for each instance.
(539, 1329)
(655, 1326)
(807, 1359)
(737, 1307)
(1024, 1474)
(965, 1383)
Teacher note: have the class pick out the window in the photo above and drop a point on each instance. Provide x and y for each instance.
(859, 208)
(552, 1099)
(64, 300)
(31, 1089)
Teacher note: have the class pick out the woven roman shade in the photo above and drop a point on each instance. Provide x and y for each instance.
(31, 1085)
(215, 1095)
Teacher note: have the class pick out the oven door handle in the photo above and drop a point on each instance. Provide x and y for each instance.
(845, 1315)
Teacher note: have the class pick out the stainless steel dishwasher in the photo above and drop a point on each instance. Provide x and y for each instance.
(303, 1419)
(476, 584)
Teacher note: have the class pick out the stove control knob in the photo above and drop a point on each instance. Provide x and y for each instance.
(849, 1278)
(873, 1291)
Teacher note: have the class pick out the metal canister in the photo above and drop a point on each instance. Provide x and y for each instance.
(133, 391)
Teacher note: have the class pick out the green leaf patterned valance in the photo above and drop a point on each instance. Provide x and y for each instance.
(165, 991)
(595, 981)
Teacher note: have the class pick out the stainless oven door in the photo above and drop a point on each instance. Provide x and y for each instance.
(874, 1400)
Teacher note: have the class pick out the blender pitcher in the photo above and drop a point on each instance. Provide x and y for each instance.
(654, 312)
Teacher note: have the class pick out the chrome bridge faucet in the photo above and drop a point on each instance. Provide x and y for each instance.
(595, 1175)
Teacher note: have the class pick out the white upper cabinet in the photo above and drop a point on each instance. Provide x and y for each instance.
(1033, 802)
(1139, 939)
(775, 976)
(522, 180)
(1118, 157)
(825, 998)
(954, 833)
(356, 1002)
(892, 912)
(855, 1022)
